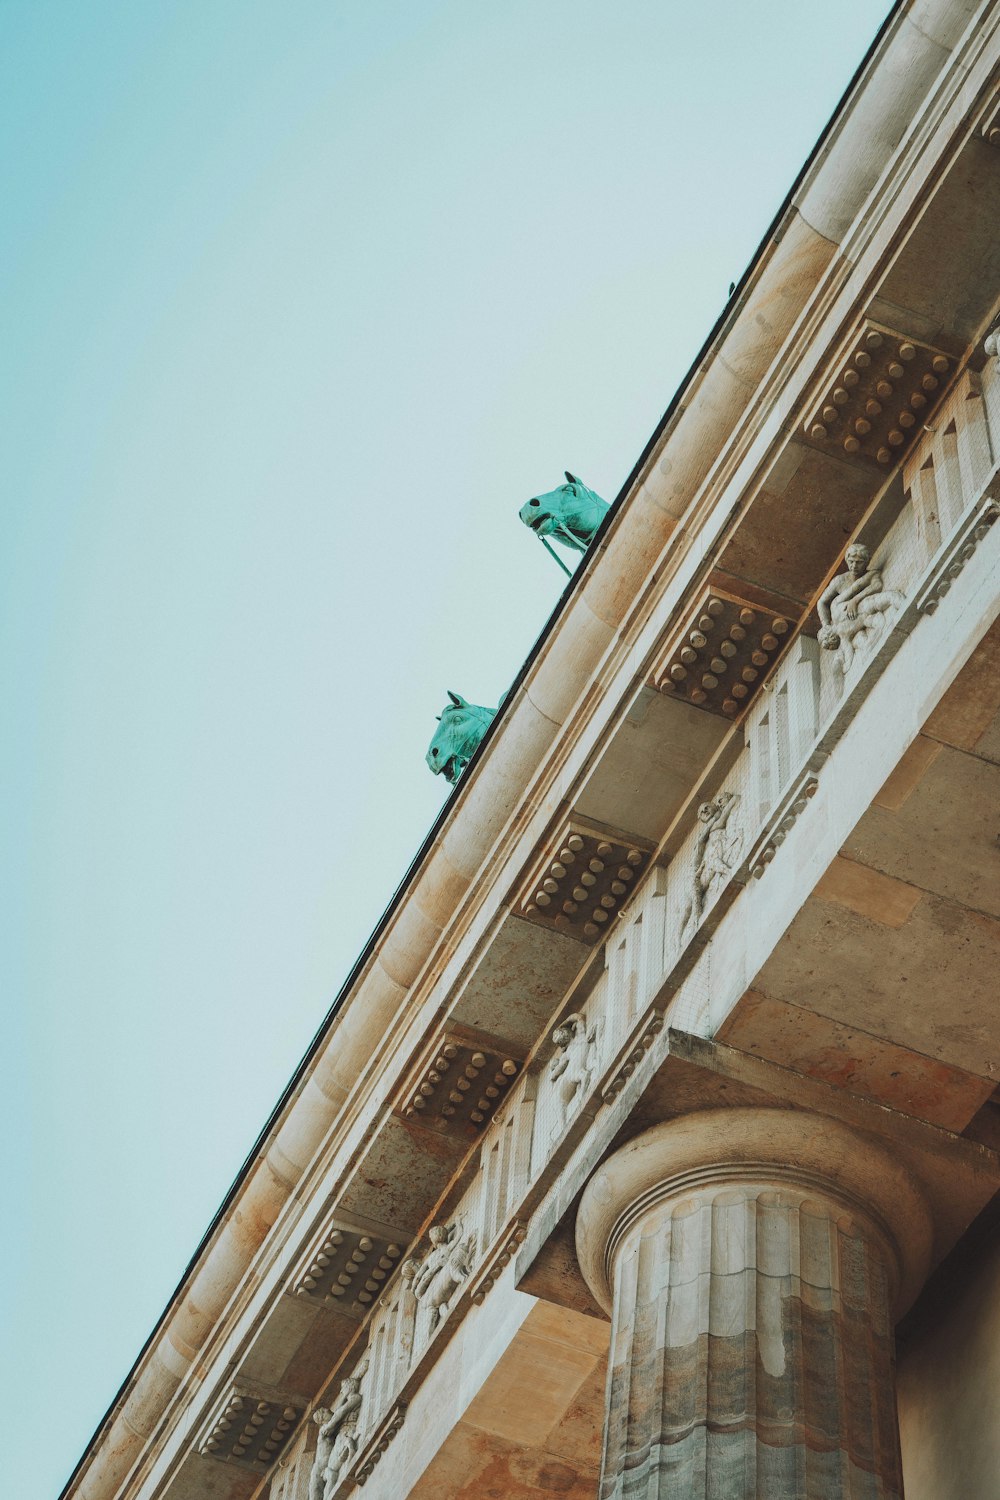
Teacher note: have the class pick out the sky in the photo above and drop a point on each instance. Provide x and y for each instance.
(300, 300)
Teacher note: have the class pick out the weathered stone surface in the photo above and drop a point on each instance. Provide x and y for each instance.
(722, 654)
(753, 1289)
(855, 1060)
(868, 893)
(874, 1000)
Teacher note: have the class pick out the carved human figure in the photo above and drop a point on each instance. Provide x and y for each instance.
(337, 1430)
(345, 1451)
(324, 1448)
(446, 1266)
(853, 607)
(716, 851)
(571, 1066)
(992, 345)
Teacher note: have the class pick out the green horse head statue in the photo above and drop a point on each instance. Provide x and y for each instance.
(461, 726)
(571, 515)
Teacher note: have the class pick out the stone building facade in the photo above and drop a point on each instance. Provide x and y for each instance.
(652, 1149)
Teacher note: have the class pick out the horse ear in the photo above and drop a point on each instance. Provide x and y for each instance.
(457, 699)
(572, 477)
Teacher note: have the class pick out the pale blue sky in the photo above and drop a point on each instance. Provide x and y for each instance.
(301, 301)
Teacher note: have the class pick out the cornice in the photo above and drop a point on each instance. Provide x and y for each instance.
(732, 416)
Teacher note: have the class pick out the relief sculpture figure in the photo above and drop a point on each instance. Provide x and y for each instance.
(447, 1265)
(716, 854)
(345, 1451)
(571, 1066)
(853, 608)
(338, 1437)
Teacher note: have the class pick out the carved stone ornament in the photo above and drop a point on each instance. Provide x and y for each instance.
(722, 655)
(781, 824)
(957, 553)
(459, 1083)
(716, 854)
(633, 1054)
(498, 1263)
(250, 1429)
(879, 394)
(443, 1271)
(349, 1265)
(582, 880)
(343, 1450)
(572, 1067)
(854, 608)
(380, 1441)
(337, 1443)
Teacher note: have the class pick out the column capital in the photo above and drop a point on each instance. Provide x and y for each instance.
(774, 1147)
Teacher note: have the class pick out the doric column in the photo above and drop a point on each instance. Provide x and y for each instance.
(753, 1262)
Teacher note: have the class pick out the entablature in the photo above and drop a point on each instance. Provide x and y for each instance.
(617, 750)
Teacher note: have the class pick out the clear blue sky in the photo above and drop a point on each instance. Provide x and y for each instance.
(300, 302)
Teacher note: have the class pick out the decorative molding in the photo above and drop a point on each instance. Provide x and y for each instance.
(379, 1442)
(956, 554)
(494, 1268)
(582, 881)
(250, 1429)
(350, 1264)
(459, 1083)
(781, 823)
(878, 395)
(991, 127)
(632, 1054)
(720, 657)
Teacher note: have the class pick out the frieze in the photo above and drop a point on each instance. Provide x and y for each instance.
(380, 1441)
(337, 1440)
(633, 1054)
(498, 1263)
(878, 396)
(572, 1068)
(582, 881)
(437, 1278)
(462, 1259)
(854, 609)
(793, 804)
(717, 850)
(721, 656)
(957, 553)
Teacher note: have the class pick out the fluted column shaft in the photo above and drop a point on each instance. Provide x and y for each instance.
(752, 1304)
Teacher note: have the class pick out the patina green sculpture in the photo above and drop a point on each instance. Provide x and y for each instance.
(571, 515)
(460, 728)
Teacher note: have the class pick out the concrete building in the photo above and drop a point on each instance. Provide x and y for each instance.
(653, 1146)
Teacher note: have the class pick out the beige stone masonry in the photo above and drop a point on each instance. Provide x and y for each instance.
(339, 1137)
(753, 1260)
